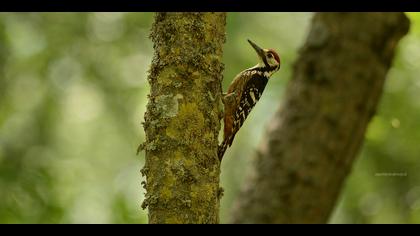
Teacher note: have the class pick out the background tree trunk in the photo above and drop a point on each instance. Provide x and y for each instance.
(314, 137)
(182, 118)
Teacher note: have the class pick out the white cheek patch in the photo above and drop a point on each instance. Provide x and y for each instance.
(272, 62)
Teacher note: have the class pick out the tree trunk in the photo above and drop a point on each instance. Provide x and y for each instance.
(315, 136)
(182, 118)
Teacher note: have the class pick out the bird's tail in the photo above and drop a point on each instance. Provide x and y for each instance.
(222, 149)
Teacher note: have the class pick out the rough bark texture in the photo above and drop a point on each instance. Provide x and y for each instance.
(316, 134)
(182, 118)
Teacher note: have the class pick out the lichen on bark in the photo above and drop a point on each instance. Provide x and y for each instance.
(182, 120)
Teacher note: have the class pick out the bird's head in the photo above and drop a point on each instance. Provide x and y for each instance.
(269, 59)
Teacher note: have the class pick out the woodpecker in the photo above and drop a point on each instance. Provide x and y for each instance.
(244, 92)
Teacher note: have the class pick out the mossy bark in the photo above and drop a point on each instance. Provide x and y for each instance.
(315, 136)
(182, 120)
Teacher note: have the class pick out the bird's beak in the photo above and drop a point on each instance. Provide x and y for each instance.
(259, 50)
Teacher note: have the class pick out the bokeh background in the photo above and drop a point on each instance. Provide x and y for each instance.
(73, 92)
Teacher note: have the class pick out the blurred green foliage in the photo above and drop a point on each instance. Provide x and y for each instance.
(73, 92)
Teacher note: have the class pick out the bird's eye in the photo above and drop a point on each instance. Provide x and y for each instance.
(270, 55)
